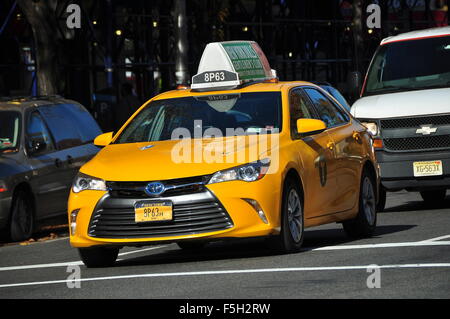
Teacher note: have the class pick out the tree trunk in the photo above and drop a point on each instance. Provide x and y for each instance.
(41, 17)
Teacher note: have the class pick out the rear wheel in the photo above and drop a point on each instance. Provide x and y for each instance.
(22, 217)
(434, 197)
(98, 256)
(365, 222)
(290, 238)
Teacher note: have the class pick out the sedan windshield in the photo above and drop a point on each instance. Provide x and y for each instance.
(206, 116)
(9, 131)
(410, 65)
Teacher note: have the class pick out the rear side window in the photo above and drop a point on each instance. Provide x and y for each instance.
(70, 124)
(328, 112)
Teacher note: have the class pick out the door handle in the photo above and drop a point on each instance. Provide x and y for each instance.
(330, 146)
(357, 137)
(58, 162)
(69, 159)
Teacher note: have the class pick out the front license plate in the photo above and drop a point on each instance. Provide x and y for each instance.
(152, 211)
(431, 168)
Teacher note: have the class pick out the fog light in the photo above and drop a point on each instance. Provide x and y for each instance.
(257, 208)
(73, 221)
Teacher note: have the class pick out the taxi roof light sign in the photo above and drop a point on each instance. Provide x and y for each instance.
(225, 65)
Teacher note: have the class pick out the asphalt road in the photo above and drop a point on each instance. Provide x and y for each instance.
(411, 248)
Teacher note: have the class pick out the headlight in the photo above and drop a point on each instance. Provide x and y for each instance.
(249, 172)
(372, 128)
(85, 182)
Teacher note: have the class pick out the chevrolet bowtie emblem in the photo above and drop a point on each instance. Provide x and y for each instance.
(426, 130)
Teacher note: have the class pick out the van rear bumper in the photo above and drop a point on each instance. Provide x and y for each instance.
(397, 170)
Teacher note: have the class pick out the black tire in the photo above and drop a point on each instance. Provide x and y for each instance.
(22, 216)
(364, 224)
(381, 205)
(291, 235)
(434, 197)
(98, 256)
(191, 245)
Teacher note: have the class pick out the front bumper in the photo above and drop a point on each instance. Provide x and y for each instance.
(218, 212)
(397, 170)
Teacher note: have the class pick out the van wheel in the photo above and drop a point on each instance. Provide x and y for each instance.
(98, 256)
(434, 197)
(292, 221)
(381, 205)
(364, 224)
(22, 217)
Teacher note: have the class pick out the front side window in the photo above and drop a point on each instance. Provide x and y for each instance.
(298, 110)
(37, 132)
(9, 131)
(327, 111)
(241, 114)
(410, 65)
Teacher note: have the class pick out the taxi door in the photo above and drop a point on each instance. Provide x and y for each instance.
(318, 159)
(347, 146)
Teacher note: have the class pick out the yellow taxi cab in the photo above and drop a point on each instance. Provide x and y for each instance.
(238, 154)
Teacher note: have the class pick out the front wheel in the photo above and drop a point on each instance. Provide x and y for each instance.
(364, 224)
(98, 256)
(292, 224)
(22, 218)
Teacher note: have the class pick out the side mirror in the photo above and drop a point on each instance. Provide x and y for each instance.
(354, 82)
(310, 126)
(103, 139)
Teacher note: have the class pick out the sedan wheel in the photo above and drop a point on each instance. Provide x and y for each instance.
(365, 222)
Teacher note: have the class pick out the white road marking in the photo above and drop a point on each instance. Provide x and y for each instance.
(70, 263)
(338, 247)
(384, 245)
(436, 238)
(140, 250)
(228, 272)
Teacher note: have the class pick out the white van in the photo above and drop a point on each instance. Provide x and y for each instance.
(405, 103)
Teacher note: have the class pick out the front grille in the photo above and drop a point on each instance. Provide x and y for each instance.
(183, 186)
(417, 143)
(192, 214)
(409, 122)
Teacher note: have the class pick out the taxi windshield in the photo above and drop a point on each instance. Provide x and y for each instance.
(9, 131)
(410, 65)
(206, 116)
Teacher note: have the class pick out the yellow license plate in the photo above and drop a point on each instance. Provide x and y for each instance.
(153, 211)
(430, 168)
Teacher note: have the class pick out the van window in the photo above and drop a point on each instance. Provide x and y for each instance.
(410, 65)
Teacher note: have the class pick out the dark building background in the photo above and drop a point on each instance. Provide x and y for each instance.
(156, 45)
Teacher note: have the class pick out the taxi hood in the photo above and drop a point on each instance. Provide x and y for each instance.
(410, 103)
(172, 159)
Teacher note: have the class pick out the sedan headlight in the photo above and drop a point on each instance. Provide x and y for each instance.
(372, 128)
(249, 172)
(84, 182)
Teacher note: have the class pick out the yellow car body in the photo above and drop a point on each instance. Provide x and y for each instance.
(329, 194)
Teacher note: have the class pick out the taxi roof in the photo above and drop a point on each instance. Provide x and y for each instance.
(419, 34)
(249, 88)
